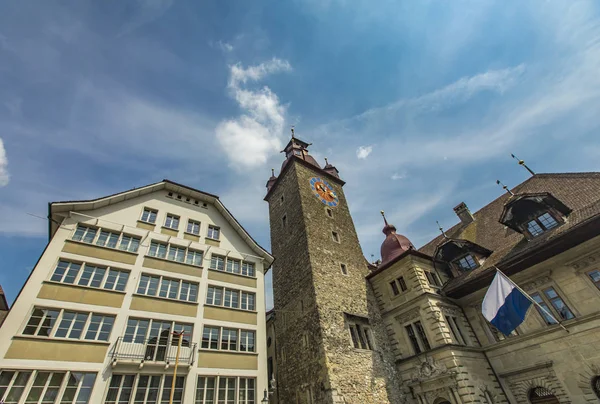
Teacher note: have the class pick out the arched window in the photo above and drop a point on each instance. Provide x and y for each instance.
(596, 385)
(542, 395)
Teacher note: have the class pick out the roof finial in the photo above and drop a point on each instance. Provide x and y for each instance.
(505, 188)
(326, 162)
(441, 229)
(293, 126)
(272, 172)
(522, 163)
(384, 219)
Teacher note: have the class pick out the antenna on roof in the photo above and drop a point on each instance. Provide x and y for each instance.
(522, 163)
(505, 187)
(441, 229)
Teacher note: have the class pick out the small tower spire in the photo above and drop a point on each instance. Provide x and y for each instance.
(272, 172)
(384, 219)
(441, 229)
(293, 131)
(522, 163)
(504, 187)
(326, 162)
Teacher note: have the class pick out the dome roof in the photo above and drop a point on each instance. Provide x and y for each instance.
(394, 244)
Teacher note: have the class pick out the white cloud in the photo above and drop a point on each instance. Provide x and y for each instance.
(363, 152)
(225, 46)
(250, 139)
(398, 176)
(239, 74)
(4, 177)
(145, 12)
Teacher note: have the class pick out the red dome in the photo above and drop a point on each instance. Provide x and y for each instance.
(394, 244)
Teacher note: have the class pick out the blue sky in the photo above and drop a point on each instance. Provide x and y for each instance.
(418, 103)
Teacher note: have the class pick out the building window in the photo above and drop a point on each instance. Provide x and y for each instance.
(395, 289)
(219, 296)
(335, 236)
(561, 310)
(432, 278)
(284, 221)
(233, 266)
(175, 253)
(329, 212)
(142, 330)
(172, 221)
(149, 215)
(76, 387)
(344, 269)
(214, 232)
(72, 324)
(595, 277)
(168, 288)
(217, 262)
(360, 332)
(148, 389)
(541, 224)
(417, 337)
(248, 269)
(596, 386)
(193, 227)
(457, 334)
(222, 389)
(91, 276)
(105, 238)
(398, 285)
(467, 263)
(228, 339)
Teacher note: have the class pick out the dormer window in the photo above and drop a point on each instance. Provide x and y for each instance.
(534, 214)
(467, 263)
(298, 152)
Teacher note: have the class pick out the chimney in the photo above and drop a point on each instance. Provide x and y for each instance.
(463, 213)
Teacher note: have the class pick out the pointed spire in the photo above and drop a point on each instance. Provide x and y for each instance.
(504, 187)
(293, 131)
(326, 162)
(272, 172)
(384, 219)
(522, 163)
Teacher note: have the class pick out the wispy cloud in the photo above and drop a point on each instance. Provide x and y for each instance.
(251, 138)
(145, 12)
(398, 176)
(225, 46)
(363, 152)
(4, 177)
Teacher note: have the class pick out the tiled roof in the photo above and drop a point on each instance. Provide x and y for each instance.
(579, 191)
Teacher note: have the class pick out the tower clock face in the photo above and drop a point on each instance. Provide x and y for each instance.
(324, 191)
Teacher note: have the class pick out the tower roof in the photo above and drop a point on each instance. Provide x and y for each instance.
(394, 244)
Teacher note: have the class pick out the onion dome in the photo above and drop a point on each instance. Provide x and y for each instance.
(394, 244)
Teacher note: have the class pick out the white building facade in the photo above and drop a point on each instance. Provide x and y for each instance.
(131, 288)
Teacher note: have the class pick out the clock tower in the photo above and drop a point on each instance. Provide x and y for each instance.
(331, 346)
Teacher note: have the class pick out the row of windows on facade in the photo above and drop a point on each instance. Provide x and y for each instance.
(71, 387)
(158, 249)
(398, 285)
(84, 274)
(149, 215)
(67, 324)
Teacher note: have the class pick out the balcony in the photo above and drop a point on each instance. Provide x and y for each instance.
(153, 351)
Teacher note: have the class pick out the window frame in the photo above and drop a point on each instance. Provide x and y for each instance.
(420, 343)
(61, 389)
(174, 326)
(149, 216)
(219, 338)
(210, 232)
(344, 269)
(588, 275)
(58, 321)
(162, 391)
(455, 328)
(159, 289)
(336, 237)
(549, 305)
(170, 219)
(465, 257)
(432, 278)
(360, 332)
(134, 240)
(117, 278)
(157, 248)
(541, 224)
(193, 223)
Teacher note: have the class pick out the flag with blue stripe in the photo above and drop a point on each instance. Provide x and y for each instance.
(504, 305)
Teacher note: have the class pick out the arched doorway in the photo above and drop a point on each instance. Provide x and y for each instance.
(596, 385)
(541, 395)
(441, 401)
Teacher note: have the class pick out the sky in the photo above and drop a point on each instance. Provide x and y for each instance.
(419, 104)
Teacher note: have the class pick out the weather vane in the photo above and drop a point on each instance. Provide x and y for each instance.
(505, 187)
(522, 163)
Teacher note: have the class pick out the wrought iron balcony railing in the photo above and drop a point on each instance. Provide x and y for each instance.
(153, 350)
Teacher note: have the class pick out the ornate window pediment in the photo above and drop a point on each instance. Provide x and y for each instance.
(532, 214)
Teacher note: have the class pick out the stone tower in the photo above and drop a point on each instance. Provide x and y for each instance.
(331, 345)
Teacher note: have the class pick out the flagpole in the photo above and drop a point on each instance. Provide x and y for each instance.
(531, 299)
